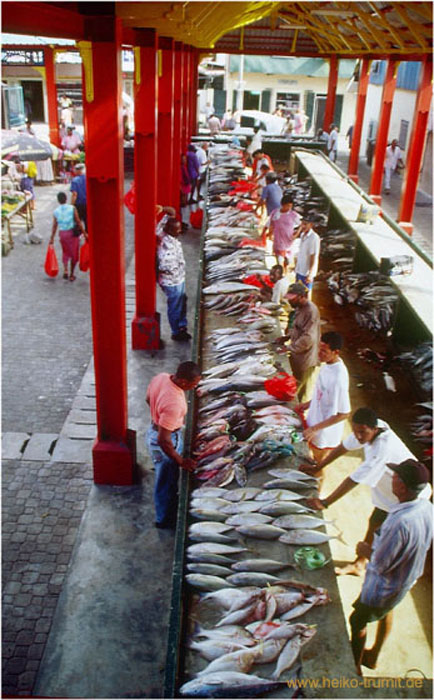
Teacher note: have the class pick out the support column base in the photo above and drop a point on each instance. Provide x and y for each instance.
(354, 178)
(376, 198)
(115, 463)
(406, 226)
(146, 332)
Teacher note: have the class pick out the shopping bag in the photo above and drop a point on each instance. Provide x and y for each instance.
(51, 265)
(196, 218)
(130, 199)
(283, 386)
(84, 257)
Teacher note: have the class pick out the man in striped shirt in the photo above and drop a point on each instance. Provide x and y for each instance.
(396, 559)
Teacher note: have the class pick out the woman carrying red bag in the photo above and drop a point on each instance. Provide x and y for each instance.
(65, 218)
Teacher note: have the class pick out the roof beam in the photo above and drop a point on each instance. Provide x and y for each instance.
(402, 12)
(41, 19)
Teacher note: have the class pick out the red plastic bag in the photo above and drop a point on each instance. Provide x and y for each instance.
(84, 258)
(283, 386)
(264, 281)
(251, 242)
(130, 199)
(196, 218)
(51, 265)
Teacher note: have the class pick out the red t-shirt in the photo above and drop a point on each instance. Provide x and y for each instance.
(167, 402)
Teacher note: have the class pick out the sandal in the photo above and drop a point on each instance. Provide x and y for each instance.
(71, 278)
(65, 276)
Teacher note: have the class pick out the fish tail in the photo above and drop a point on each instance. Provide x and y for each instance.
(339, 537)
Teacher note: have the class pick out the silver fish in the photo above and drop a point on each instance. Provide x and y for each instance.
(208, 527)
(214, 548)
(240, 660)
(241, 615)
(251, 578)
(286, 631)
(301, 521)
(234, 633)
(208, 569)
(241, 507)
(212, 649)
(291, 651)
(277, 508)
(278, 494)
(266, 565)
(203, 514)
(225, 684)
(281, 484)
(262, 531)
(241, 494)
(292, 474)
(234, 598)
(248, 519)
(228, 288)
(308, 537)
(207, 583)
(208, 503)
(208, 492)
(210, 558)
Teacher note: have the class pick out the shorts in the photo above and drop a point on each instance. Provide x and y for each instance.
(303, 278)
(363, 614)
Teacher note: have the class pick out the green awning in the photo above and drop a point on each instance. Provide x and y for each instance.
(278, 65)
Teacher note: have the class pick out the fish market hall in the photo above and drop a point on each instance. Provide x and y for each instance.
(295, 278)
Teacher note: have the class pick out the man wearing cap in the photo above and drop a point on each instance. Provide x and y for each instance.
(304, 337)
(308, 253)
(78, 193)
(381, 446)
(396, 559)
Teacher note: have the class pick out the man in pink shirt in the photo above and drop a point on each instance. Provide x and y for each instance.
(284, 223)
(166, 399)
(71, 141)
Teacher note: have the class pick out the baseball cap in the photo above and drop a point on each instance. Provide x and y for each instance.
(297, 288)
(414, 474)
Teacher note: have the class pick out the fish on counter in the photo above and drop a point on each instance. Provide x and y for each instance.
(227, 684)
(265, 565)
(262, 531)
(207, 583)
(308, 537)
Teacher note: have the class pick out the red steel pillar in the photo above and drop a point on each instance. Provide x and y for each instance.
(353, 163)
(416, 148)
(146, 322)
(114, 449)
(331, 93)
(165, 120)
(185, 136)
(383, 131)
(50, 82)
(177, 122)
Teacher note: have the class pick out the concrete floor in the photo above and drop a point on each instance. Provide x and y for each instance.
(108, 637)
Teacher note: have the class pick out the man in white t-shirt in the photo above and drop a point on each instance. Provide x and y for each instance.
(308, 253)
(380, 445)
(330, 402)
(392, 159)
(202, 156)
(332, 145)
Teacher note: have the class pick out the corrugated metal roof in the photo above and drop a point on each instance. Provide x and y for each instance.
(280, 65)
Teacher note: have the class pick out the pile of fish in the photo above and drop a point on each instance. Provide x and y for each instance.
(338, 248)
(420, 362)
(240, 429)
(373, 293)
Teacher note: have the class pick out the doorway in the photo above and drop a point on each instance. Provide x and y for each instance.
(33, 100)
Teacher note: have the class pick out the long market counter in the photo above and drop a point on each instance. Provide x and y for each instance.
(381, 239)
(328, 655)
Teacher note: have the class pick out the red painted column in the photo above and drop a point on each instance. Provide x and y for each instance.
(331, 93)
(114, 448)
(185, 99)
(416, 148)
(383, 131)
(353, 163)
(177, 120)
(166, 120)
(146, 322)
(50, 82)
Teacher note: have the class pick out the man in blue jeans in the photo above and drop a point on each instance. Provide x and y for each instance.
(166, 399)
(171, 278)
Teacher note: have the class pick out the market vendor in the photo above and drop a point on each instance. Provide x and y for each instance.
(71, 141)
(380, 446)
(330, 403)
(166, 399)
(396, 559)
(304, 337)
